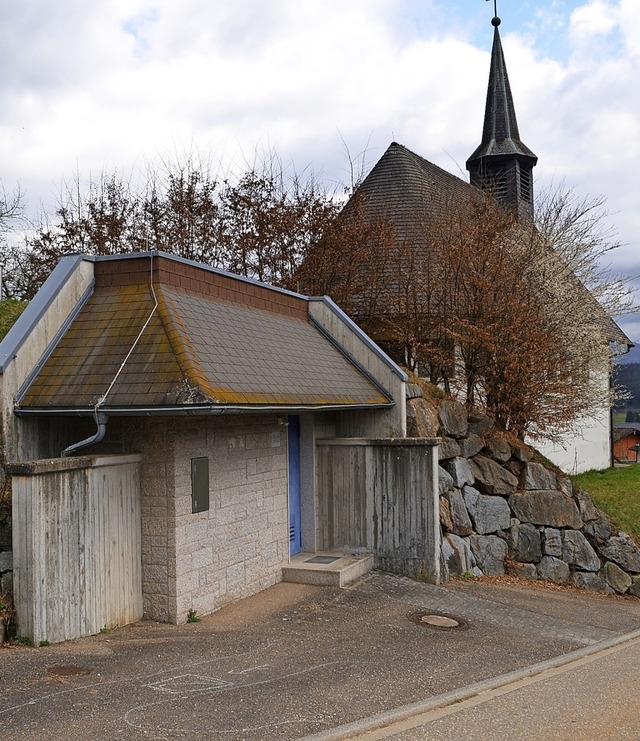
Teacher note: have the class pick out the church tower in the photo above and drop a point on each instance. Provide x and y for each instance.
(502, 164)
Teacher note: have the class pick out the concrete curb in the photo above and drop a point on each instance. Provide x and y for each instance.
(404, 712)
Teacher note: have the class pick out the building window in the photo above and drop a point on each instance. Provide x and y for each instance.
(199, 484)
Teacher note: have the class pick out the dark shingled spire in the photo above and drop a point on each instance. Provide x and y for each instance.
(502, 163)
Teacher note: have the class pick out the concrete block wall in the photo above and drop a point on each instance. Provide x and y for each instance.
(238, 546)
(205, 560)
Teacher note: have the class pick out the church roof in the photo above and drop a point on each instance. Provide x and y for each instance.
(409, 192)
(405, 189)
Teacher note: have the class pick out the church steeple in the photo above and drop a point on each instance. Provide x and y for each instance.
(502, 163)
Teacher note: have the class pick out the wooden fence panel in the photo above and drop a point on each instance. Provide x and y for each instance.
(382, 496)
(77, 551)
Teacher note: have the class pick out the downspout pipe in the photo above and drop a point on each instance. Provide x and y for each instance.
(101, 421)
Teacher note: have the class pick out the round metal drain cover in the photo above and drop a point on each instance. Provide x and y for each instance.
(438, 620)
(67, 670)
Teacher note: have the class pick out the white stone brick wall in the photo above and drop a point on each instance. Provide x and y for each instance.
(153, 438)
(238, 547)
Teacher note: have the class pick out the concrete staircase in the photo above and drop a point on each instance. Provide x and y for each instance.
(327, 569)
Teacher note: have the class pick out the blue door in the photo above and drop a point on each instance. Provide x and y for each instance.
(295, 525)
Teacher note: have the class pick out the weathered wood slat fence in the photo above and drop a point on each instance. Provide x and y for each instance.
(76, 545)
(382, 496)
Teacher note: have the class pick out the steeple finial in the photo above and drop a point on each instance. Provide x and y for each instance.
(495, 21)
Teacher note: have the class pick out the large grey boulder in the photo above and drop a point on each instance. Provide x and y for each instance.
(460, 522)
(447, 560)
(479, 423)
(454, 419)
(598, 531)
(521, 453)
(462, 561)
(491, 477)
(589, 580)
(490, 552)
(6, 561)
(622, 550)
(577, 552)
(547, 507)
(552, 542)
(445, 514)
(535, 476)
(489, 514)
(634, 589)
(524, 570)
(448, 448)
(526, 543)
(615, 577)
(498, 449)
(553, 569)
(460, 471)
(471, 445)
(445, 481)
(587, 508)
(6, 583)
(422, 420)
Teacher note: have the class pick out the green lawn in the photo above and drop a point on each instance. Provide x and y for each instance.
(617, 492)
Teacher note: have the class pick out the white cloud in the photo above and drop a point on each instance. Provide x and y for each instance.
(110, 83)
(596, 18)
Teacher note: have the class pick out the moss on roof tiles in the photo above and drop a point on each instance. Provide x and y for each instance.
(194, 350)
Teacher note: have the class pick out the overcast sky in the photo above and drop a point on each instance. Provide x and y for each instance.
(92, 85)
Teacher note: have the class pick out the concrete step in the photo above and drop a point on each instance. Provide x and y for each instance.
(327, 569)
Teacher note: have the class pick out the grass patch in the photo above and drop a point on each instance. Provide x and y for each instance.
(617, 492)
(10, 310)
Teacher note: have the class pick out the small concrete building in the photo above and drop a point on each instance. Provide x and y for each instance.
(162, 422)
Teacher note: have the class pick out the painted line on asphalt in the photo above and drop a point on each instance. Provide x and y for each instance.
(408, 715)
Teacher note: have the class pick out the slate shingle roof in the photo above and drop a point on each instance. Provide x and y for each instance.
(211, 340)
(409, 192)
(500, 135)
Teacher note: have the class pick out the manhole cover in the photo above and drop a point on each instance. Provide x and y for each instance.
(66, 670)
(438, 620)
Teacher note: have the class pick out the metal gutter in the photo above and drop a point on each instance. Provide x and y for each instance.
(195, 410)
(98, 436)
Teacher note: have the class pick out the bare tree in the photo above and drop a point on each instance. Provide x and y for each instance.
(259, 223)
(578, 228)
(472, 299)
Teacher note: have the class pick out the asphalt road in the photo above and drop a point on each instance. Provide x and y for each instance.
(597, 697)
(297, 661)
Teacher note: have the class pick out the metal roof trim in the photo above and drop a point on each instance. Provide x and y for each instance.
(196, 410)
(363, 336)
(36, 309)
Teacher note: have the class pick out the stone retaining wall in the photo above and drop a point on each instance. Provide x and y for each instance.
(501, 511)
